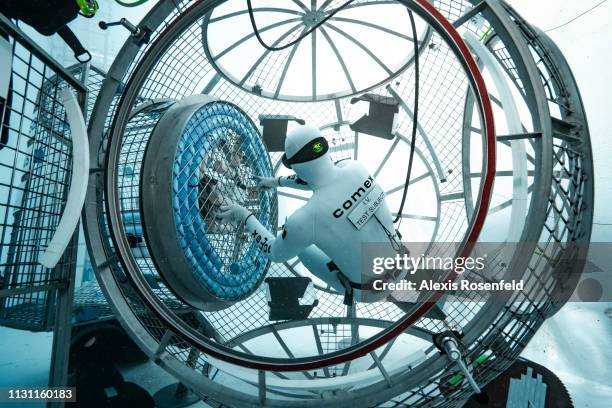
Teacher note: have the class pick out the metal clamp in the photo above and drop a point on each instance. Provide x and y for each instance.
(450, 346)
(141, 35)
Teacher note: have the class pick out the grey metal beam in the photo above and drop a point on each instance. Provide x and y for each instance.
(241, 41)
(315, 332)
(387, 156)
(519, 136)
(313, 62)
(62, 325)
(287, 350)
(266, 52)
(385, 351)
(351, 313)
(565, 130)
(506, 204)
(338, 111)
(412, 181)
(381, 368)
(325, 4)
(374, 26)
(500, 173)
(339, 58)
(262, 387)
(469, 14)
(364, 4)
(246, 350)
(256, 10)
(360, 45)
(452, 196)
(164, 342)
(211, 85)
(418, 217)
(32, 289)
(301, 5)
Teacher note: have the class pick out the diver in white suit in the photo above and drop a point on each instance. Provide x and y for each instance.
(346, 210)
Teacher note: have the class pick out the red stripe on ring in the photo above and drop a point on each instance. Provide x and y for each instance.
(485, 195)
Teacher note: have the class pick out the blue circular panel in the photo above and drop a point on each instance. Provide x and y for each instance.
(219, 152)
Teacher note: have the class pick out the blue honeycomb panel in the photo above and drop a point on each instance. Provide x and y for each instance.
(205, 129)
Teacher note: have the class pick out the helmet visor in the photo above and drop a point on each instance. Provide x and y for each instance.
(311, 150)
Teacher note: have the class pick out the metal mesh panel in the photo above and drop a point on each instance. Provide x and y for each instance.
(342, 45)
(505, 333)
(323, 112)
(565, 223)
(137, 135)
(223, 151)
(250, 315)
(35, 173)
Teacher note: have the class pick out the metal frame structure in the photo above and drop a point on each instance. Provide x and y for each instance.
(305, 16)
(559, 216)
(33, 297)
(467, 237)
(160, 232)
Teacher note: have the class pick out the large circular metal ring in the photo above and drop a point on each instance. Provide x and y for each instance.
(187, 333)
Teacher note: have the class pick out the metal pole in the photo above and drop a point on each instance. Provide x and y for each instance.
(62, 328)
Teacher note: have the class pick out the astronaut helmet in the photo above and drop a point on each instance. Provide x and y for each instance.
(307, 153)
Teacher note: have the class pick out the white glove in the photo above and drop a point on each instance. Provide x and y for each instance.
(233, 213)
(266, 183)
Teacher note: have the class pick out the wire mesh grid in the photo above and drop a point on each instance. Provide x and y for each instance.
(509, 333)
(511, 329)
(155, 327)
(442, 86)
(515, 325)
(92, 77)
(236, 319)
(35, 162)
(252, 316)
(453, 224)
(90, 303)
(137, 136)
(218, 157)
(341, 44)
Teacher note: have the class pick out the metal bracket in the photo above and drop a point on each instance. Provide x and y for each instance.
(140, 35)
(448, 343)
(380, 118)
(274, 130)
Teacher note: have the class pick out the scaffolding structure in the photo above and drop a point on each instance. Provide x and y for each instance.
(368, 354)
(555, 169)
(36, 162)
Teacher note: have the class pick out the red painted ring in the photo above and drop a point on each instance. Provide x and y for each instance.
(160, 310)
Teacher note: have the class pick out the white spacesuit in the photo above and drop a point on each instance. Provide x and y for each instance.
(346, 210)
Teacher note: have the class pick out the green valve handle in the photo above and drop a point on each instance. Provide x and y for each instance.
(458, 377)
